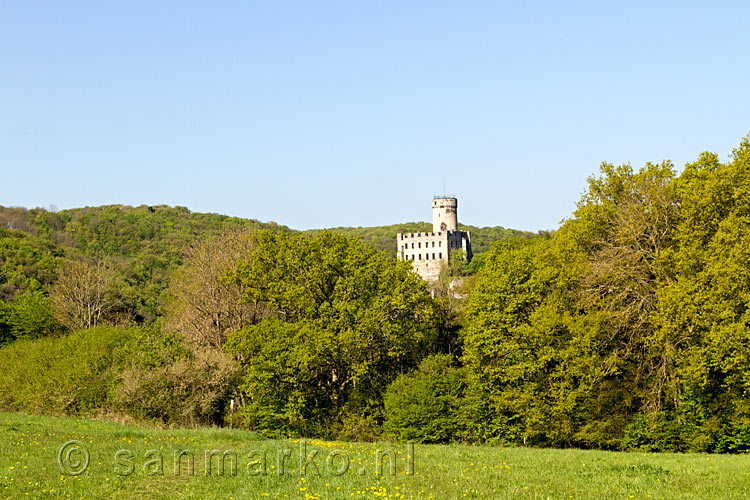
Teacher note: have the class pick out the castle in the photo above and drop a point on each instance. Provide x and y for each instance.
(429, 252)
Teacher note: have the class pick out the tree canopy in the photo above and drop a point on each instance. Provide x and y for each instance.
(346, 321)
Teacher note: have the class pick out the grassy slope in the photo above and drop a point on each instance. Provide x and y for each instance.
(29, 469)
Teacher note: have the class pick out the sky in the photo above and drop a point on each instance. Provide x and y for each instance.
(324, 114)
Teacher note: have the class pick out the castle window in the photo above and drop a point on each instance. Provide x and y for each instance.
(440, 243)
(440, 255)
(412, 245)
(433, 256)
(426, 256)
(420, 256)
(433, 244)
(419, 245)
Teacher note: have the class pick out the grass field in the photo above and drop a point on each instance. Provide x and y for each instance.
(144, 468)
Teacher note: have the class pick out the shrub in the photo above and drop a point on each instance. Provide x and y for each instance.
(70, 375)
(192, 389)
(423, 405)
(659, 432)
(28, 316)
(139, 372)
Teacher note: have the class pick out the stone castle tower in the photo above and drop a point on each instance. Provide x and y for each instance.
(429, 252)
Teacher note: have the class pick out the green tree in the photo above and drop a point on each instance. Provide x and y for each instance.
(347, 320)
(425, 405)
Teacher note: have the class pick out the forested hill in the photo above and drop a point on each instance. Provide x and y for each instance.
(143, 245)
(384, 237)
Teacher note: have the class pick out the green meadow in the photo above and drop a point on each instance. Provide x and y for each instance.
(131, 462)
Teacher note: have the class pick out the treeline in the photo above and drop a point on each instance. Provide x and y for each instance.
(629, 327)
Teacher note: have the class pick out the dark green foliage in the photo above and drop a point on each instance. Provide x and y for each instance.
(657, 433)
(6, 334)
(29, 316)
(425, 405)
(27, 263)
(348, 321)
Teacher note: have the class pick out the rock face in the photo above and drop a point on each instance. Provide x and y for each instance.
(429, 252)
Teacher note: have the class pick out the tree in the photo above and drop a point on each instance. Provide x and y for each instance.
(86, 292)
(703, 311)
(562, 343)
(205, 305)
(29, 316)
(425, 405)
(347, 320)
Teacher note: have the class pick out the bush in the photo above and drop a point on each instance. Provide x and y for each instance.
(139, 372)
(734, 440)
(29, 316)
(659, 432)
(71, 375)
(193, 389)
(423, 406)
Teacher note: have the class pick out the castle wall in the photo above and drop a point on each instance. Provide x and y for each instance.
(422, 246)
(429, 270)
(427, 252)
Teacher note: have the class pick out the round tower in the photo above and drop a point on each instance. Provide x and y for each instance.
(444, 214)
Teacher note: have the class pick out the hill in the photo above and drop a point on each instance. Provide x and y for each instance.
(146, 244)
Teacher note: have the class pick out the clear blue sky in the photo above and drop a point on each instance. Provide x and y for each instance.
(320, 114)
